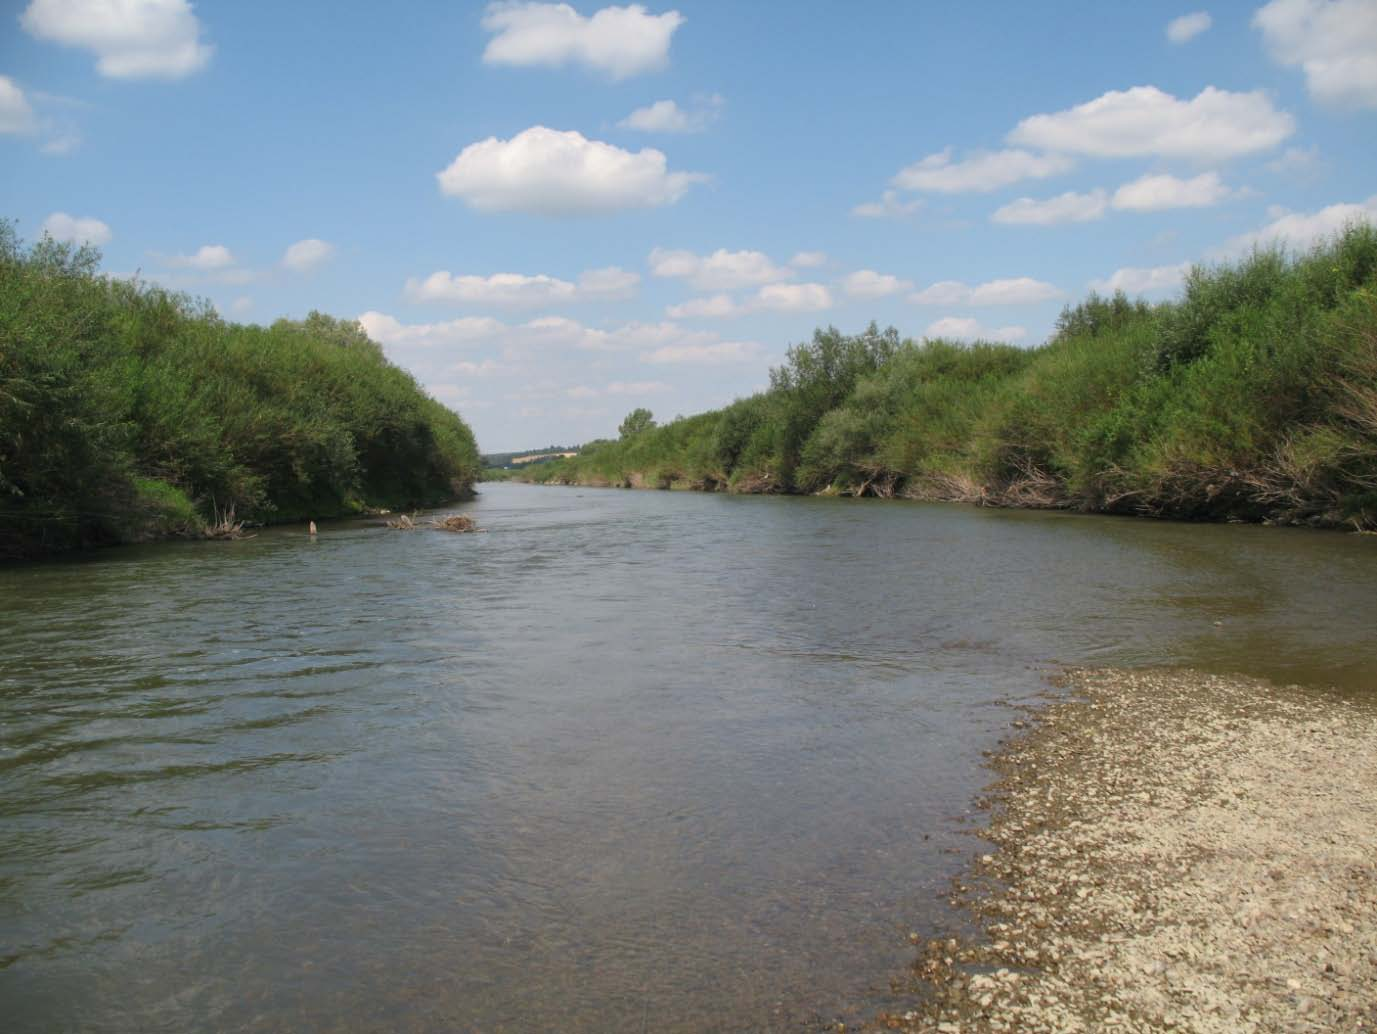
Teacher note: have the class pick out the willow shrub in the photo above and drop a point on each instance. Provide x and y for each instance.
(1253, 396)
(127, 411)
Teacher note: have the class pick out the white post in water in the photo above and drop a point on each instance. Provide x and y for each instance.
(313, 529)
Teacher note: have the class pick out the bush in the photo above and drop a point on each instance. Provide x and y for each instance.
(121, 404)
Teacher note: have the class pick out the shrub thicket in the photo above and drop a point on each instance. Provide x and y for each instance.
(127, 412)
(1252, 397)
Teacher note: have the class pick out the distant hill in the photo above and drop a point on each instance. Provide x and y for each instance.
(526, 457)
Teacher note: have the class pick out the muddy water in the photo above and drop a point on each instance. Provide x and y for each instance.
(628, 761)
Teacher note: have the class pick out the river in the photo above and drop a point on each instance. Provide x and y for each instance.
(624, 761)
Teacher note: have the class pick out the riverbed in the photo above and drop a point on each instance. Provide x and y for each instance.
(623, 761)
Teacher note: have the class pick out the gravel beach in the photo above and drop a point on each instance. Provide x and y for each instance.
(1172, 851)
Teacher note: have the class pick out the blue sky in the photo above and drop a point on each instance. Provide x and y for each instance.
(554, 214)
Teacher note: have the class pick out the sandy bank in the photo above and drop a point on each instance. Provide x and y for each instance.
(1173, 851)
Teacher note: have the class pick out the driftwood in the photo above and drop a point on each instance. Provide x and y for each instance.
(457, 522)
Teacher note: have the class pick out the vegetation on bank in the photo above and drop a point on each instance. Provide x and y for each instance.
(128, 412)
(1253, 397)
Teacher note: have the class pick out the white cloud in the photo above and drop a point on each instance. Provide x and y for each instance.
(1215, 125)
(305, 255)
(866, 283)
(637, 388)
(720, 271)
(1296, 161)
(944, 292)
(714, 306)
(61, 146)
(1022, 290)
(888, 207)
(486, 368)
(517, 340)
(793, 298)
(1141, 280)
(132, 39)
(966, 328)
(620, 41)
(498, 289)
(582, 391)
(206, 257)
(982, 171)
(667, 117)
(1301, 230)
(241, 305)
(1188, 26)
(721, 352)
(16, 116)
(808, 259)
(611, 283)
(518, 289)
(63, 227)
(1064, 208)
(388, 330)
(1156, 193)
(1334, 42)
(549, 172)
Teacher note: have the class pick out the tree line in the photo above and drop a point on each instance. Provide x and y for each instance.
(1252, 397)
(130, 412)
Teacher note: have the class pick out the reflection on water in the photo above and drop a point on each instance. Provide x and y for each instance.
(627, 761)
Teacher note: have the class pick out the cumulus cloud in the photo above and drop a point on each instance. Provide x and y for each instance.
(866, 283)
(808, 259)
(793, 298)
(76, 230)
(890, 206)
(667, 117)
(636, 388)
(307, 254)
(1142, 280)
(967, 328)
(1333, 41)
(982, 171)
(517, 289)
(207, 257)
(1296, 161)
(1156, 193)
(518, 339)
(721, 352)
(549, 172)
(610, 283)
(619, 41)
(716, 306)
(1064, 208)
(1188, 26)
(1215, 125)
(1301, 230)
(16, 116)
(468, 330)
(132, 39)
(720, 271)
(1022, 290)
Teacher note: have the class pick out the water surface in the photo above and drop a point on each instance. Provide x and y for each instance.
(626, 761)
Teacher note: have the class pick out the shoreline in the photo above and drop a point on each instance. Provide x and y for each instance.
(639, 483)
(1171, 851)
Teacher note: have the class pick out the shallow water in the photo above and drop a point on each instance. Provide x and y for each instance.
(626, 761)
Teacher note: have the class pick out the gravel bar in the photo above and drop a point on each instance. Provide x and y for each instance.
(1173, 851)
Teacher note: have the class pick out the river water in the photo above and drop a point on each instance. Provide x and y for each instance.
(626, 761)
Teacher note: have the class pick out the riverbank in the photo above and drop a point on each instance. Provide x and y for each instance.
(132, 414)
(1172, 851)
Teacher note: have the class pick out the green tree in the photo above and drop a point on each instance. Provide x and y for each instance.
(638, 421)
